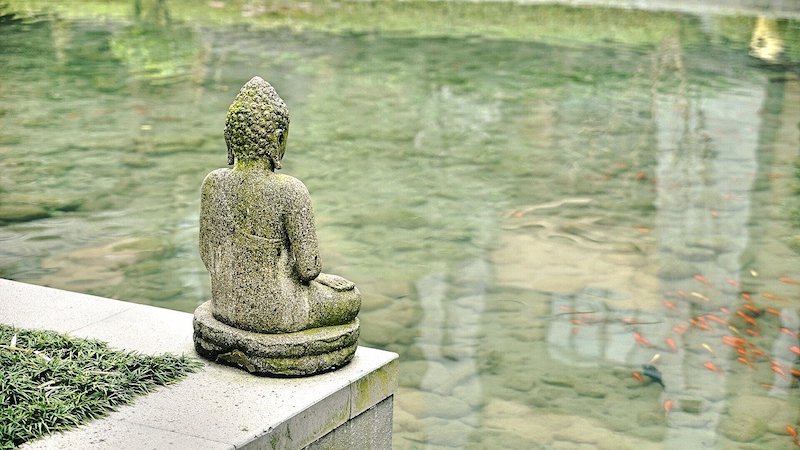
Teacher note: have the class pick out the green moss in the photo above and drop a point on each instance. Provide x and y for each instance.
(51, 382)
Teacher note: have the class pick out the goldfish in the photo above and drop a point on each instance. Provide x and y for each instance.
(712, 367)
(669, 304)
(792, 431)
(671, 344)
(638, 376)
(788, 280)
(752, 332)
(699, 324)
(701, 279)
(746, 318)
(716, 319)
(732, 282)
(772, 296)
(773, 311)
(796, 373)
(733, 341)
(667, 406)
(680, 329)
(752, 309)
(795, 349)
(789, 332)
(777, 369)
(745, 362)
(641, 340)
(747, 296)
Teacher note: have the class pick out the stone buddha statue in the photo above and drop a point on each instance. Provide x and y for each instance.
(271, 310)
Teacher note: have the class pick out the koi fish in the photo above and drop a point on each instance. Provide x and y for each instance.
(746, 318)
(732, 282)
(653, 373)
(795, 349)
(772, 296)
(747, 296)
(773, 311)
(716, 319)
(699, 324)
(788, 280)
(752, 332)
(796, 373)
(667, 406)
(638, 376)
(708, 347)
(789, 332)
(777, 369)
(792, 431)
(700, 296)
(712, 367)
(701, 279)
(744, 361)
(669, 304)
(752, 309)
(671, 344)
(641, 340)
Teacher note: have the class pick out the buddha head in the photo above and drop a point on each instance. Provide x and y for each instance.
(257, 124)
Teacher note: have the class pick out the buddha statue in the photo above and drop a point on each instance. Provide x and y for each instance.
(271, 310)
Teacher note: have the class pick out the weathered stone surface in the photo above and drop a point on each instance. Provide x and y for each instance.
(284, 354)
(258, 241)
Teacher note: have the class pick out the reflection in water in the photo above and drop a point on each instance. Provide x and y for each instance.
(766, 44)
(532, 223)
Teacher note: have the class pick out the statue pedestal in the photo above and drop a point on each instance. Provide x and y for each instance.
(302, 353)
(218, 407)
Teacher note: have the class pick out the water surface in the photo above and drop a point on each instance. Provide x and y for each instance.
(534, 201)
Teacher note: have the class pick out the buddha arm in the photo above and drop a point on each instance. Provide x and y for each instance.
(302, 233)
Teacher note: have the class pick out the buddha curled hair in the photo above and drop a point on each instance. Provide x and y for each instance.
(257, 124)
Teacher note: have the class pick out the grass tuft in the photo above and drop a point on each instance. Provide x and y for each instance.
(52, 382)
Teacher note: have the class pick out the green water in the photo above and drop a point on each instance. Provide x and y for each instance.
(517, 191)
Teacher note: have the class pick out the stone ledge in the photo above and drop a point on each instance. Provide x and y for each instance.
(217, 408)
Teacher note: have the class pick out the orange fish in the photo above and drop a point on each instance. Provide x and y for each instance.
(724, 310)
(712, 367)
(796, 373)
(773, 311)
(777, 369)
(701, 279)
(699, 324)
(641, 340)
(747, 296)
(752, 309)
(732, 282)
(746, 318)
(792, 431)
(671, 344)
(795, 349)
(752, 332)
(680, 329)
(667, 406)
(745, 362)
(788, 280)
(772, 296)
(638, 376)
(789, 332)
(715, 319)
(669, 304)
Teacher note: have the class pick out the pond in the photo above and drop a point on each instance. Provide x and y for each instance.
(579, 227)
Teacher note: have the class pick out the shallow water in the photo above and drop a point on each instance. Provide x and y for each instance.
(532, 214)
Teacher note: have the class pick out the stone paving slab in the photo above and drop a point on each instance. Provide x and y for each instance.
(217, 408)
